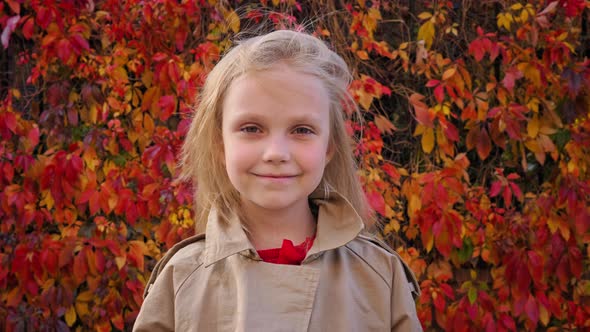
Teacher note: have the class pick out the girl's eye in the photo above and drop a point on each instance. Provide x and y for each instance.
(250, 129)
(303, 131)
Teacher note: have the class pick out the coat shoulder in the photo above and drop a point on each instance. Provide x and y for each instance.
(187, 252)
(382, 258)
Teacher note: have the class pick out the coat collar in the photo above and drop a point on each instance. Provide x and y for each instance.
(338, 224)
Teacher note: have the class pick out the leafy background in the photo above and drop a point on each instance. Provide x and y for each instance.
(475, 149)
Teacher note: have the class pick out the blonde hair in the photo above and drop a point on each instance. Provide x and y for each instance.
(202, 159)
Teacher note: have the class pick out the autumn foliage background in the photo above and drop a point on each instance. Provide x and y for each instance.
(475, 150)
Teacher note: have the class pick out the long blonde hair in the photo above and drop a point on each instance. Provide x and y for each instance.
(202, 152)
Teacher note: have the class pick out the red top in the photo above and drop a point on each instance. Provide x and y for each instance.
(288, 253)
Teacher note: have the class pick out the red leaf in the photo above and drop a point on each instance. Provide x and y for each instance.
(43, 17)
(14, 5)
(507, 195)
(439, 302)
(377, 202)
(33, 137)
(432, 83)
(7, 123)
(64, 50)
(483, 144)
(508, 322)
(167, 107)
(99, 261)
(80, 269)
(451, 132)
(532, 309)
(516, 190)
(8, 172)
(439, 93)
(575, 259)
(476, 48)
(392, 172)
(28, 28)
(79, 43)
(536, 264)
(495, 189)
(510, 77)
(448, 291)
(49, 261)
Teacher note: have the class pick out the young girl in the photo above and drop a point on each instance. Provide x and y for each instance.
(284, 247)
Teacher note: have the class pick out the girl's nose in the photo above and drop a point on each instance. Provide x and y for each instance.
(276, 150)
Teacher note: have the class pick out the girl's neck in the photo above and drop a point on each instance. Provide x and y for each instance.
(268, 228)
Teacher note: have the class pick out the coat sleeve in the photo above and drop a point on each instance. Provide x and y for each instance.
(157, 311)
(403, 307)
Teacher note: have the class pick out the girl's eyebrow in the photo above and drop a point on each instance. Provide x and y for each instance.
(254, 116)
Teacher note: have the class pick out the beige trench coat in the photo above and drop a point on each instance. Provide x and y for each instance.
(347, 282)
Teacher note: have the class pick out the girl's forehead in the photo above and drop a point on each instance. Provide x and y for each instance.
(280, 87)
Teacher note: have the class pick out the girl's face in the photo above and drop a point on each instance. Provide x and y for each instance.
(276, 129)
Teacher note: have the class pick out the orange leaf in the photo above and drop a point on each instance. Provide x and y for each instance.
(384, 124)
(421, 110)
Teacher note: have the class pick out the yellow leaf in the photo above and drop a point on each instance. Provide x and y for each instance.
(70, 316)
(543, 315)
(93, 113)
(428, 140)
(82, 309)
(524, 16)
(533, 105)
(504, 20)
(557, 224)
(16, 93)
(424, 16)
(85, 296)
(148, 123)
(47, 200)
(120, 261)
(233, 20)
(419, 130)
(120, 74)
(365, 99)
(428, 238)
(562, 36)
(532, 145)
(426, 33)
(516, 6)
(449, 73)
(530, 72)
(414, 205)
(147, 78)
(442, 108)
(48, 283)
(533, 127)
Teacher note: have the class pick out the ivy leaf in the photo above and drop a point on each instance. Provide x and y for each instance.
(377, 202)
(423, 115)
(426, 33)
(8, 29)
(532, 309)
(428, 140)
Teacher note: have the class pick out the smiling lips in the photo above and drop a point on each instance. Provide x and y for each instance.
(275, 176)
